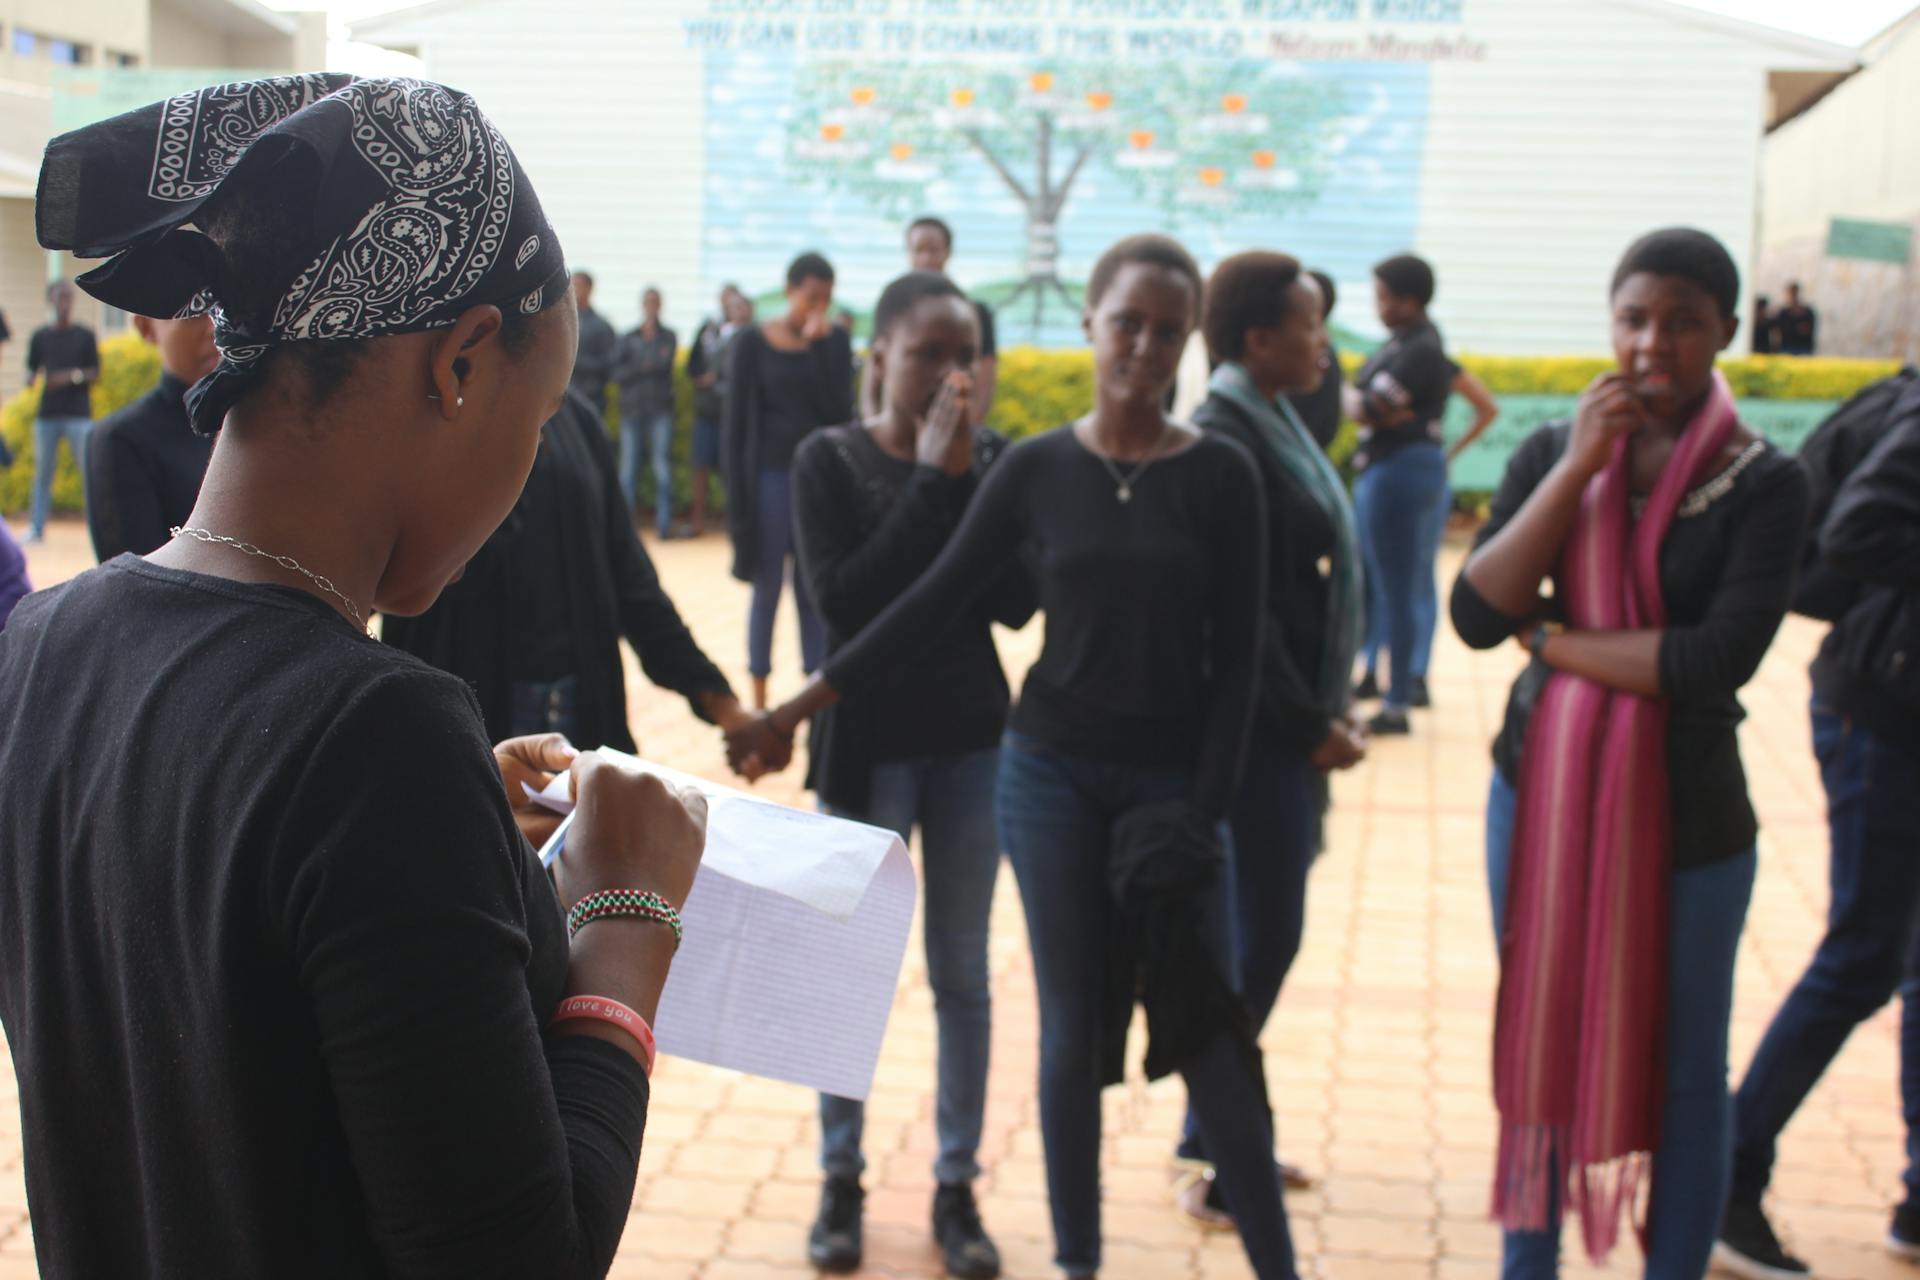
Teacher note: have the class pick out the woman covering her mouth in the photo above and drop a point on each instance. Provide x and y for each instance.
(1620, 836)
(1149, 542)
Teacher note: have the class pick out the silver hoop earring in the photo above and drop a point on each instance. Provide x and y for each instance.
(460, 402)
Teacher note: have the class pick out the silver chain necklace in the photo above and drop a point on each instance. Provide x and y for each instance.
(285, 562)
(1123, 481)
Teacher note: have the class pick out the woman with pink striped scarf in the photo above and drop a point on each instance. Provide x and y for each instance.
(1644, 553)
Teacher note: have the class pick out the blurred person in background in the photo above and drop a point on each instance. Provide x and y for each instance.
(593, 363)
(64, 361)
(643, 371)
(145, 462)
(787, 377)
(706, 369)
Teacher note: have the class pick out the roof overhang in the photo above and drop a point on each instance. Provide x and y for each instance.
(396, 30)
(248, 19)
(1795, 50)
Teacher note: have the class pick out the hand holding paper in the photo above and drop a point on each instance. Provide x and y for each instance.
(796, 926)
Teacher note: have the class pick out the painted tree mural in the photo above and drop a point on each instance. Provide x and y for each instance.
(1209, 140)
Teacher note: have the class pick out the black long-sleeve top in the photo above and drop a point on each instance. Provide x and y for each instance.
(745, 445)
(275, 961)
(562, 580)
(593, 358)
(1726, 575)
(1299, 538)
(1869, 665)
(144, 468)
(1411, 371)
(1154, 606)
(868, 525)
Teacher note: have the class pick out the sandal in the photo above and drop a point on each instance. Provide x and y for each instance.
(1197, 1197)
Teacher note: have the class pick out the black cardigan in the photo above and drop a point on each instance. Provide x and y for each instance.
(740, 435)
(868, 525)
(611, 588)
(1727, 575)
(1299, 537)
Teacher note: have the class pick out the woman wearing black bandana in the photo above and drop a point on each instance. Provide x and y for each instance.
(276, 963)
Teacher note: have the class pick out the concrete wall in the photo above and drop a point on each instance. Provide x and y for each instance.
(102, 25)
(180, 39)
(23, 283)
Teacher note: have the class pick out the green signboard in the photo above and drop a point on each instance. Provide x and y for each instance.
(1785, 422)
(1870, 241)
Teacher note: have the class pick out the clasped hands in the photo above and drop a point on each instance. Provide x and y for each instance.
(756, 746)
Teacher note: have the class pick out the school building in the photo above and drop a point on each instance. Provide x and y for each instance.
(1519, 144)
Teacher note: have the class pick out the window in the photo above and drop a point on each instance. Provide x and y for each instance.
(117, 59)
(67, 53)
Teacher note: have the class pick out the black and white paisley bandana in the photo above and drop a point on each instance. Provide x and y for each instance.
(412, 205)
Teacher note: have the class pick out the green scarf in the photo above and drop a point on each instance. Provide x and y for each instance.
(1288, 438)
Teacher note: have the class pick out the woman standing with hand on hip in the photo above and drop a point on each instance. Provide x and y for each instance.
(1620, 837)
(1149, 541)
(311, 1002)
(786, 378)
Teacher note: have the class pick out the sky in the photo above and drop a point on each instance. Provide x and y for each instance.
(1842, 21)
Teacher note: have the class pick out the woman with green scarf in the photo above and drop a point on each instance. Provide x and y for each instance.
(1265, 326)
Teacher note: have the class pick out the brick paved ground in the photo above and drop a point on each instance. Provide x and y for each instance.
(1377, 1057)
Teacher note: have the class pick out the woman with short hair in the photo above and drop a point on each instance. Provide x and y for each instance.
(1644, 554)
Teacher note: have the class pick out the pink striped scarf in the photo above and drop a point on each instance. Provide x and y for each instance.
(1579, 1045)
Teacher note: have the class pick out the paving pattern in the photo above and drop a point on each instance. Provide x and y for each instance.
(1377, 1059)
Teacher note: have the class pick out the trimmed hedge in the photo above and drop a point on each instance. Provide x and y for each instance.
(1038, 389)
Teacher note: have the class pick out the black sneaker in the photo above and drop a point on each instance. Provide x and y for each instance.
(1368, 689)
(1747, 1246)
(1390, 724)
(834, 1244)
(1903, 1237)
(1417, 692)
(956, 1226)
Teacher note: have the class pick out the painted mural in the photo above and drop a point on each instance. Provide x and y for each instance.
(1045, 148)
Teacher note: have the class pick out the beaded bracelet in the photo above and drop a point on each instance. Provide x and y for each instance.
(623, 902)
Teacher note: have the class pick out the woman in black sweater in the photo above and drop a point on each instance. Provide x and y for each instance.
(1617, 774)
(786, 378)
(279, 967)
(1149, 541)
(1265, 327)
(874, 504)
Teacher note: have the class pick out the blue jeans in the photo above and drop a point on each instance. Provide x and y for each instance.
(950, 798)
(1275, 822)
(653, 434)
(774, 518)
(1871, 948)
(1426, 599)
(1691, 1168)
(1056, 814)
(1401, 505)
(47, 434)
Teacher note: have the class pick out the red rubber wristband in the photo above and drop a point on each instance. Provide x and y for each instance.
(601, 1009)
